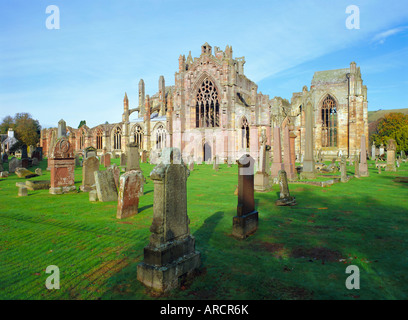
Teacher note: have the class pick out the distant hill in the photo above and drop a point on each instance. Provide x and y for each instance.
(375, 115)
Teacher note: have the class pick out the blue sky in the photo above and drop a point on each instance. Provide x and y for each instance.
(103, 48)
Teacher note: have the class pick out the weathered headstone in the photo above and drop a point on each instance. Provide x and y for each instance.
(373, 151)
(216, 166)
(133, 157)
(382, 149)
(343, 170)
(5, 157)
(24, 173)
(89, 166)
(34, 162)
(285, 199)
(287, 158)
(261, 179)
(277, 153)
(24, 156)
(14, 164)
(363, 167)
(90, 152)
(123, 159)
(62, 165)
(171, 252)
(145, 155)
(391, 149)
(245, 222)
(116, 173)
(22, 191)
(130, 189)
(93, 196)
(77, 162)
(105, 186)
(356, 167)
(106, 160)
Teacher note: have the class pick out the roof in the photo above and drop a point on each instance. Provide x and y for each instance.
(330, 76)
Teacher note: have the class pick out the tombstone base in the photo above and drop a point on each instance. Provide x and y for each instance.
(87, 188)
(261, 182)
(62, 190)
(391, 167)
(290, 201)
(244, 226)
(164, 266)
(307, 175)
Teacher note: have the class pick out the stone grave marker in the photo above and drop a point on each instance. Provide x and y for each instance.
(285, 199)
(130, 190)
(105, 186)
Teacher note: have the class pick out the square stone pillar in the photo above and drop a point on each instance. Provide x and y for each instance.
(391, 149)
(363, 158)
(245, 222)
(277, 164)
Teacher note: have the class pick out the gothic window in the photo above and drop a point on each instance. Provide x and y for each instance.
(329, 122)
(244, 133)
(117, 138)
(207, 106)
(82, 140)
(138, 136)
(160, 137)
(99, 136)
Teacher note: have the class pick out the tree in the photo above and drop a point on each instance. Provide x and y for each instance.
(26, 129)
(81, 123)
(8, 122)
(393, 125)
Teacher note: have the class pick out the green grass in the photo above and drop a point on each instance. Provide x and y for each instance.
(298, 252)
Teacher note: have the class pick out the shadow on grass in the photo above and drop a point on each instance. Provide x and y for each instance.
(145, 208)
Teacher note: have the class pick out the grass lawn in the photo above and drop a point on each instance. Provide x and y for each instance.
(298, 252)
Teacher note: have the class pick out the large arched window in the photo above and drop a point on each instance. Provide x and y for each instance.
(329, 122)
(244, 133)
(207, 106)
(117, 138)
(138, 136)
(160, 137)
(99, 136)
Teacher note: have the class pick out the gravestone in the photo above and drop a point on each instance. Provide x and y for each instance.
(245, 222)
(171, 253)
(93, 196)
(382, 149)
(356, 167)
(123, 159)
(343, 170)
(116, 173)
(14, 164)
(105, 186)
(145, 155)
(277, 153)
(22, 191)
(285, 199)
(62, 166)
(106, 160)
(391, 149)
(5, 157)
(24, 173)
(4, 174)
(34, 162)
(130, 189)
(216, 166)
(89, 166)
(261, 179)
(287, 155)
(90, 152)
(191, 165)
(77, 162)
(133, 157)
(24, 157)
(363, 167)
(373, 151)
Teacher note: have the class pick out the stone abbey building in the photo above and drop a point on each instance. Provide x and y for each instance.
(214, 109)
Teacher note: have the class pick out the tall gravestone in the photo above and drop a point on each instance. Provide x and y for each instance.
(245, 222)
(62, 129)
(171, 253)
(285, 199)
(308, 171)
(130, 190)
(382, 150)
(343, 169)
(62, 166)
(391, 150)
(356, 167)
(287, 155)
(14, 164)
(261, 179)
(24, 157)
(277, 153)
(373, 151)
(123, 159)
(89, 166)
(133, 157)
(363, 158)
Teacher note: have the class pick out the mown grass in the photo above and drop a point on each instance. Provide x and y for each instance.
(298, 252)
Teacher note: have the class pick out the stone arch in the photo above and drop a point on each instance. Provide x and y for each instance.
(159, 135)
(137, 133)
(116, 135)
(206, 96)
(245, 133)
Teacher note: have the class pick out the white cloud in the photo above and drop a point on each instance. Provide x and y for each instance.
(382, 36)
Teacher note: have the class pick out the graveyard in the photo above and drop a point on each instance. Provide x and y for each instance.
(297, 252)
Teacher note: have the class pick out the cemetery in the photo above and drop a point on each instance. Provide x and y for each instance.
(120, 227)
